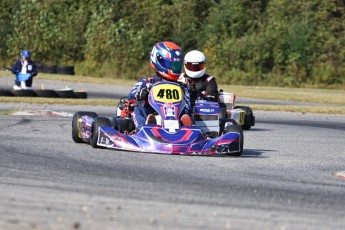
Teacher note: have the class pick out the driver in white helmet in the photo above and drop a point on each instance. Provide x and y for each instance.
(202, 85)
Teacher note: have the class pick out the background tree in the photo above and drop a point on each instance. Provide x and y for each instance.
(268, 42)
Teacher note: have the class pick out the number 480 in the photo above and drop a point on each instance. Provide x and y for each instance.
(169, 94)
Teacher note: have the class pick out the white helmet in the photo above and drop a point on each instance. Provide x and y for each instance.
(195, 64)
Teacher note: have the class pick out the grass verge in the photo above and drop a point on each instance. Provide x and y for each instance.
(336, 97)
(76, 78)
(7, 112)
(301, 109)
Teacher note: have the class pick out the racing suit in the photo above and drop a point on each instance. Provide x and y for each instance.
(25, 67)
(204, 87)
(141, 112)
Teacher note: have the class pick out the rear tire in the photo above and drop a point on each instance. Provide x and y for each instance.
(75, 127)
(237, 129)
(98, 122)
(248, 117)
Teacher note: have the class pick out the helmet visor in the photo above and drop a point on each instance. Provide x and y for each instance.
(175, 66)
(195, 66)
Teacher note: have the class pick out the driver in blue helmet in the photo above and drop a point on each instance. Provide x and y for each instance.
(24, 66)
(167, 60)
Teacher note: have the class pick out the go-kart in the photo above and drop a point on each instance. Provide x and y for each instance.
(210, 135)
(243, 115)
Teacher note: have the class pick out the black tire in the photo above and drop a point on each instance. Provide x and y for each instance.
(48, 68)
(23, 93)
(80, 94)
(39, 68)
(65, 93)
(5, 93)
(75, 127)
(46, 93)
(237, 129)
(98, 122)
(249, 119)
(65, 69)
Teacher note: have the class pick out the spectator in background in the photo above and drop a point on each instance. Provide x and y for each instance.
(25, 69)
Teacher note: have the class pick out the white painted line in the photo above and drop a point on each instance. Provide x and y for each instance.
(47, 113)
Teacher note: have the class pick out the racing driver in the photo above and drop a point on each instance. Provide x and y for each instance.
(166, 60)
(201, 85)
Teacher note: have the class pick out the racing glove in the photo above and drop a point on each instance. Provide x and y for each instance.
(142, 94)
(204, 95)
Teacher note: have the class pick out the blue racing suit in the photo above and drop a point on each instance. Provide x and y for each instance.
(141, 112)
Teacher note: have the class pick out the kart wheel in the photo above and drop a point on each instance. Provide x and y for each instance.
(249, 119)
(237, 129)
(98, 122)
(75, 126)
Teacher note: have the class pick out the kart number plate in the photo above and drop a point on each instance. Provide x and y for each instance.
(167, 93)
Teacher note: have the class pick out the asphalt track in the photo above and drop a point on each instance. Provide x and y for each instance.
(284, 180)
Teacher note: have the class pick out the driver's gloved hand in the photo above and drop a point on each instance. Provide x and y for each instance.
(203, 95)
(142, 94)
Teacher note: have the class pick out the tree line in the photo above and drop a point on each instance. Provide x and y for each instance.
(254, 42)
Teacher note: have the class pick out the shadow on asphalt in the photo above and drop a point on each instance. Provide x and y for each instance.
(255, 153)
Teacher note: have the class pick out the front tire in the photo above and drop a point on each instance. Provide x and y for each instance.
(237, 129)
(98, 122)
(75, 127)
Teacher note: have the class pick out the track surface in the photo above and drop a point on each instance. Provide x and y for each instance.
(284, 180)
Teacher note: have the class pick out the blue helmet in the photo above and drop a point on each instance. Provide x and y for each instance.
(166, 60)
(25, 53)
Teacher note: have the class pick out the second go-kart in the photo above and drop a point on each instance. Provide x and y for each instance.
(243, 115)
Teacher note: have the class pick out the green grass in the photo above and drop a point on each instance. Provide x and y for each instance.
(300, 109)
(289, 94)
(7, 112)
(76, 78)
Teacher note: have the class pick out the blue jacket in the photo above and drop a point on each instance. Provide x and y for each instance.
(31, 67)
(148, 82)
